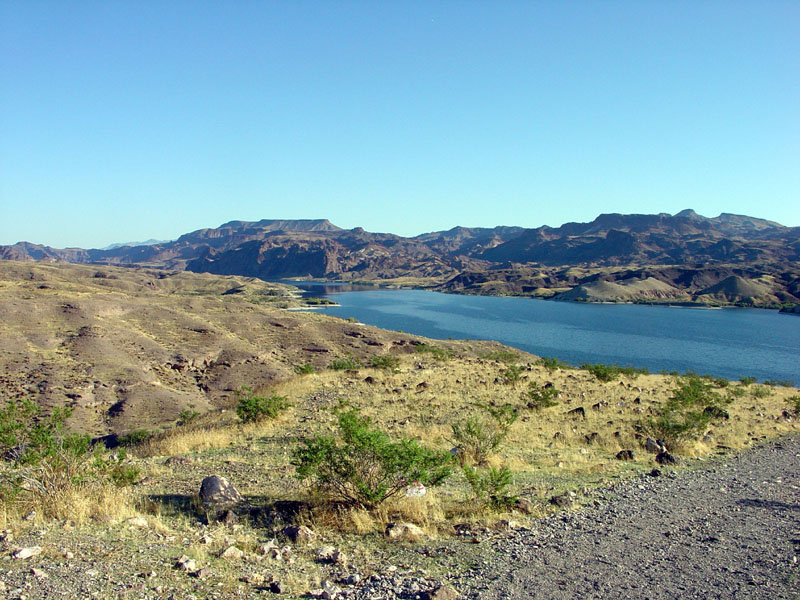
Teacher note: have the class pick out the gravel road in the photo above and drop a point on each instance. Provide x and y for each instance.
(728, 531)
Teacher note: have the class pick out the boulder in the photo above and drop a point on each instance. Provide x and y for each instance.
(25, 553)
(562, 501)
(442, 592)
(665, 458)
(298, 533)
(625, 455)
(216, 490)
(402, 530)
(655, 446)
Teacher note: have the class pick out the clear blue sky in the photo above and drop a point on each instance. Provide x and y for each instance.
(123, 121)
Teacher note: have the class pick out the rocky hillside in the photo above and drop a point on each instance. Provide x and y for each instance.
(686, 251)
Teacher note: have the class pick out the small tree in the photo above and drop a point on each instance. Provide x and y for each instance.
(251, 408)
(480, 435)
(364, 467)
(540, 397)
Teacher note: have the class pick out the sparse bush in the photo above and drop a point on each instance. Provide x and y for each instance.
(512, 374)
(687, 413)
(436, 352)
(538, 397)
(364, 467)
(490, 487)
(551, 363)
(721, 382)
(306, 369)
(794, 403)
(345, 364)
(503, 356)
(479, 435)
(746, 381)
(187, 416)
(134, 438)
(779, 383)
(384, 361)
(760, 392)
(607, 373)
(251, 408)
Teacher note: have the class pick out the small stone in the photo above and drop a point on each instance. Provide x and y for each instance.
(325, 552)
(654, 446)
(184, 563)
(253, 579)
(298, 533)
(201, 573)
(625, 455)
(665, 458)
(25, 553)
(562, 501)
(523, 505)
(218, 490)
(232, 552)
(39, 574)
(655, 473)
(409, 531)
(330, 591)
(139, 522)
(353, 579)
(443, 592)
(206, 539)
(276, 587)
(228, 517)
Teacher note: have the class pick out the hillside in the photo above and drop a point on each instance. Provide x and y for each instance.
(678, 250)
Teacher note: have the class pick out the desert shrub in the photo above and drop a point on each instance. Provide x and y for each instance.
(794, 403)
(503, 356)
(364, 466)
(779, 383)
(306, 369)
(687, 413)
(345, 364)
(187, 416)
(512, 374)
(384, 361)
(551, 363)
(760, 392)
(251, 408)
(490, 487)
(605, 372)
(46, 463)
(436, 352)
(538, 397)
(746, 381)
(480, 435)
(721, 382)
(134, 438)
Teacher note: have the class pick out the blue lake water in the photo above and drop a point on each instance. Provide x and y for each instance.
(722, 342)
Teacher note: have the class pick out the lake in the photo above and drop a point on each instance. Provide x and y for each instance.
(729, 342)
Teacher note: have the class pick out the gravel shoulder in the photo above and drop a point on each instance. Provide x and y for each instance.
(729, 530)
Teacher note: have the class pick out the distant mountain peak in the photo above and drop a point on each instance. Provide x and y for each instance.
(688, 213)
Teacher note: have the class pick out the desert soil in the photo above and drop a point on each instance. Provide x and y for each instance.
(728, 531)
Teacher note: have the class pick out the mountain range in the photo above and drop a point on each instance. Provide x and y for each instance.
(686, 257)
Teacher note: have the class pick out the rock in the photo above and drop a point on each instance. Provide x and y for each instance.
(176, 461)
(443, 592)
(330, 591)
(39, 574)
(402, 530)
(298, 533)
(523, 505)
(577, 413)
(218, 490)
(184, 563)
(353, 579)
(654, 446)
(276, 587)
(592, 437)
(665, 458)
(139, 522)
(232, 552)
(715, 412)
(562, 501)
(625, 455)
(325, 552)
(253, 579)
(201, 573)
(655, 473)
(228, 517)
(370, 379)
(25, 553)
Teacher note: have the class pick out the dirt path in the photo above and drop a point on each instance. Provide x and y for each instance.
(730, 531)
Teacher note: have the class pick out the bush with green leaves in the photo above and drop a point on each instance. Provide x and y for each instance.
(512, 374)
(607, 373)
(551, 363)
(538, 397)
(45, 460)
(134, 438)
(187, 416)
(687, 413)
(306, 369)
(794, 403)
(363, 466)
(746, 381)
(490, 487)
(503, 356)
(251, 408)
(761, 391)
(479, 435)
(347, 363)
(384, 361)
(436, 352)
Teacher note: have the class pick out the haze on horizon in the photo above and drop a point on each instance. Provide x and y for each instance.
(126, 121)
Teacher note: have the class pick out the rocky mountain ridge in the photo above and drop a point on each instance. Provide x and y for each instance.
(679, 249)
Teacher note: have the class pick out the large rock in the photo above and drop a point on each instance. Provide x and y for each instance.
(407, 531)
(216, 490)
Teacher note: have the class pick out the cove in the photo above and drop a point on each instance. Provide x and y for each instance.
(729, 342)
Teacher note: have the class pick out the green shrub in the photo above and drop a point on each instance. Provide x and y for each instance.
(721, 382)
(512, 374)
(794, 403)
(688, 411)
(480, 435)
(503, 356)
(606, 373)
(187, 416)
(436, 352)
(779, 383)
(306, 369)
(384, 361)
(551, 363)
(251, 408)
(538, 397)
(364, 467)
(134, 438)
(490, 486)
(345, 364)
(761, 391)
(746, 381)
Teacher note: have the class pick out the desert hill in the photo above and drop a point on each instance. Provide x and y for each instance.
(686, 251)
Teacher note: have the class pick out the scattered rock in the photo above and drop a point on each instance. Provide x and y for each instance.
(665, 458)
(325, 552)
(523, 505)
(625, 455)
(562, 501)
(218, 490)
(176, 461)
(402, 530)
(233, 553)
(577, 413)
(184, 563)
(25, 553)
(39, 573)
(655, 473)
(715, 412)
(654, 446)
(443, 592)
(298, 533)
(201, 573)
(276, 587)
(228, 517)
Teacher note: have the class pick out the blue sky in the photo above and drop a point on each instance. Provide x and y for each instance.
(124, 121)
